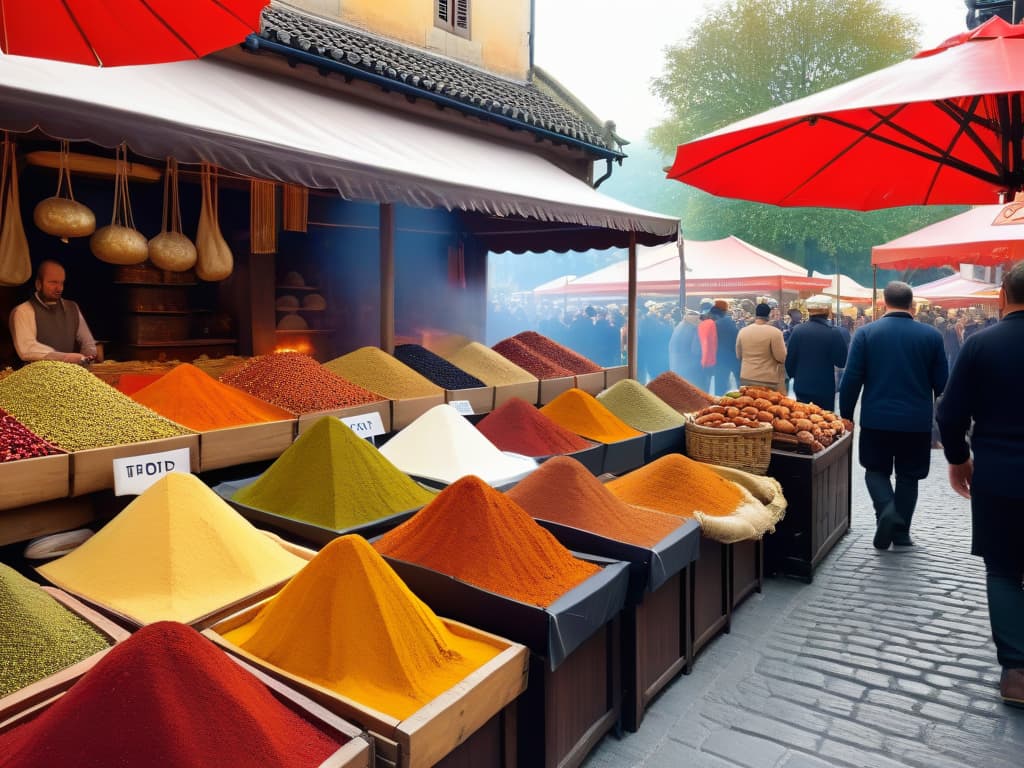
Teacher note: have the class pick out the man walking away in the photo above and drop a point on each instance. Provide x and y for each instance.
(762, 353)
(814, 350)
(992, 480)
(901, 366)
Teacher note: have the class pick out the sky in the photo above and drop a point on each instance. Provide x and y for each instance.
(607, 58)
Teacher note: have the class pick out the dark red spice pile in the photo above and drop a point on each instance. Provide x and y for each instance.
(517, 426)
(557, 353)
(19, 442)
(297, 383)
(167, 696)
(530, 360)
(436, 368)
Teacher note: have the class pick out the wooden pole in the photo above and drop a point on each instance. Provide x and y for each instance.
(631, 337)
(387, 277)
(874, 291)
(680, 244)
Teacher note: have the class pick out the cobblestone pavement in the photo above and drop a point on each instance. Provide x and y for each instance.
(885, 660)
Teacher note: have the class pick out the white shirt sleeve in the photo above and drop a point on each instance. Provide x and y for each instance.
(23, 331)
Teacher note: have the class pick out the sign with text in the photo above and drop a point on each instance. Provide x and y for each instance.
(365, 424)
(134, 474)
(462, 406)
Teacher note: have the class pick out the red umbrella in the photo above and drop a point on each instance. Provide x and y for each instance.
(113, 33)
(946, 126)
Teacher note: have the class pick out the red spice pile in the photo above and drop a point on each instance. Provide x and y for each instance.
(297, 383)
(679, 393)
(529, 359)
(19, 442)
(130, 383)
(167, 696)
(557, 353)
(517, 426)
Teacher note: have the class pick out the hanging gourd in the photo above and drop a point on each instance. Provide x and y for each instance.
(120, 242)
(172, 250)
(213, 257)
(61, 215)
(15, 264)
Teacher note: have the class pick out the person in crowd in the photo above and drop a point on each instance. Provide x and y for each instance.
(48, 326)
(707, 335)
(814, 351)
(684, 348)
(656, 335)
(726, 363)
(950, 339)
(762, 353)
(793, 318)
(901, 367)
(991, 479)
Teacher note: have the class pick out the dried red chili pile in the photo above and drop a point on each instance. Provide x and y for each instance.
(436, 368)
(530, 360)
(517, 426)
(167, 696)
(557, 353)
(19, 442)
(297, 383)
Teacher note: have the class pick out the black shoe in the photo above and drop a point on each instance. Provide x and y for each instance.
(902, 540)
(883, 534)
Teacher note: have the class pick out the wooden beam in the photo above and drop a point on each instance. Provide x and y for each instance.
(631, 336)
(91, 165)
(387, 277)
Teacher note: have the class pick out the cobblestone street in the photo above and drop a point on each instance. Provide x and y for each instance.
(885, 660)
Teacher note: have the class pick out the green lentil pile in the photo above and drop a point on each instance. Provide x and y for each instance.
(71, 408)
(379, 372)
(636, 405)
(38, 635)
(491, 368)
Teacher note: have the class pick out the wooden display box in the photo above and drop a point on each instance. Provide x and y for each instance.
(592, 458)
(746, 570)
(405, 412)
(380, 407)
(591, 382)
(357, 752)
(552, 388)
(30, 481)
(144, 328)
(817, 488)
(530, 392)
(663, 442)
(709, 595)
(615, 374)
(230, 447)
(458, 727)
(93, 470)
(481, 399)
(625, 455)
(23, 523)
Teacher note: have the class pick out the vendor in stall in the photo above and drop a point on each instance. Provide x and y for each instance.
(48, 326)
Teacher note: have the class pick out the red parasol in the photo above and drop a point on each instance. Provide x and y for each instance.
(112, 33)
(944, 127)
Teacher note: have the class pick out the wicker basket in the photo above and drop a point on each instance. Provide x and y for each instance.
(749, 449)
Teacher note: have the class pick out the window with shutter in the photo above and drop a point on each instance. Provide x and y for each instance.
(452, 16)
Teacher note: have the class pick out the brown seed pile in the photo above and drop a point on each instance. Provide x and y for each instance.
(489, 366)
(297, 383)
(530, 360)
(557, 353)
(379, 372)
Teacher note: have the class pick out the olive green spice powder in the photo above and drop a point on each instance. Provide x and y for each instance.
(636, 405)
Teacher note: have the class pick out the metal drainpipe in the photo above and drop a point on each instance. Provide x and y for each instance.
(607, 174)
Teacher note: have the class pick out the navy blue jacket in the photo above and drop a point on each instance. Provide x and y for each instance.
(815, 349)
(982, 388)
(901, 366)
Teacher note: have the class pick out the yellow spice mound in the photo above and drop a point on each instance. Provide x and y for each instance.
(347, 622)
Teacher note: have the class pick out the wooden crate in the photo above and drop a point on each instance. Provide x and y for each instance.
(157, 298)
(552, 388)
(230, 447)
(746, 570)
(615, 374)
(147, 328)
(30, 481)
(381, 407)
(529, 391)
(709, 594)
(591, 382)
(481, 399)
(23, 523)
(93, 470)
(405, 412)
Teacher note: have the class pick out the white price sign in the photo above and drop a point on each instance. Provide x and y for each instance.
(365, 424)
(462, 406)
(134, 474)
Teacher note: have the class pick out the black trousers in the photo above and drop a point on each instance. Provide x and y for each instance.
(909, 453)
(998, 536)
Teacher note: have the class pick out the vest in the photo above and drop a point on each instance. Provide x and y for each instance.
(57, 325)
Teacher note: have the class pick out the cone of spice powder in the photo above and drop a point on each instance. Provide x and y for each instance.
(563, 491)
(191, 397)
(679, 393)
(490, 367)
(333, 478)
(557, 353)
(130, 383)
(517, 426)
(38, 635)
(178, 552)
(636, 405)
(379, 372)
(167, 696)
(347, 622)
(477, 534)
(435, 368)
(530, 360)
(580, 412)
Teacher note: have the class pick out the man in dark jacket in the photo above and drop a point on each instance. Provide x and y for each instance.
(988, 364)
(901, 366)
(814, 351)
(726, 362)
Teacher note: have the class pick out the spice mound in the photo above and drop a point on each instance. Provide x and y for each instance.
(580, 412)
(71, 408)
(18, 442)
(441, 445)
(557, 353)
(517, 426)
(379, 372)
(530, 360)
(679, 486)
(564, 492)
(167, 696)
(434, 367)
(38, 635)
(636, 405)
(333, 478)
(679, 393)
(479, 535)
(296, 383)
(191, 397)
(347, 622)
(489, 366)
(177, 552)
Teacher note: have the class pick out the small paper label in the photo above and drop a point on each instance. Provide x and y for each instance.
(365, 424)
(462, 406)
(134, 474)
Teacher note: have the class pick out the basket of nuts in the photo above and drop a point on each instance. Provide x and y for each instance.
(718, 441)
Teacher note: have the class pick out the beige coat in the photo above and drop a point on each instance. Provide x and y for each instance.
(762, 354)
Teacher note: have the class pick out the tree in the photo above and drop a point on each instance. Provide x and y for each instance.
(747, 56)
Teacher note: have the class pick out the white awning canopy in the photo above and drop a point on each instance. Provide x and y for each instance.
(268, 126)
